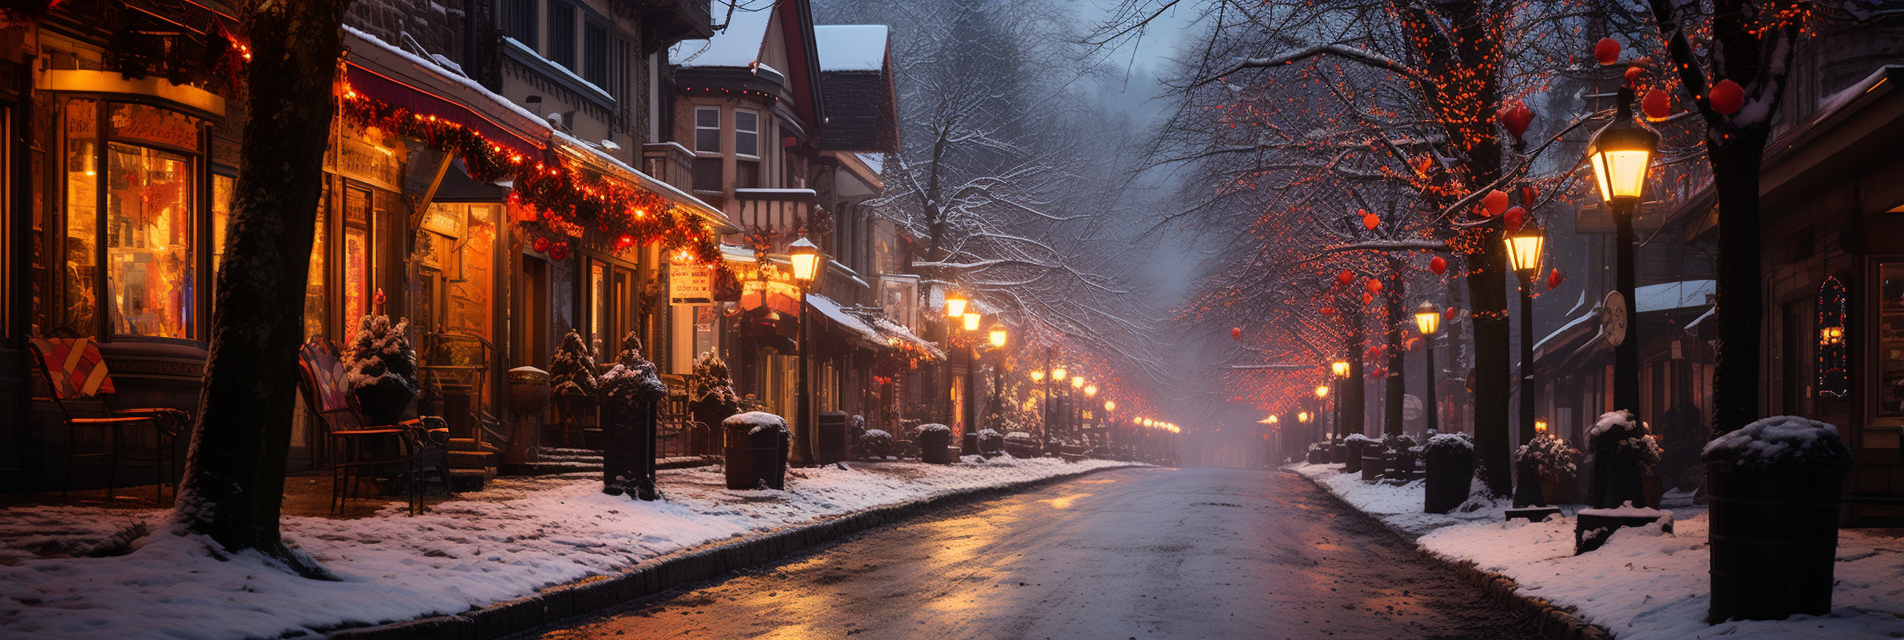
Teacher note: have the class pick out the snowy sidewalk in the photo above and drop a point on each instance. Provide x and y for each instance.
(520, 536)
(1644, 584)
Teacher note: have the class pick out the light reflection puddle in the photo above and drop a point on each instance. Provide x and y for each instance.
(1065, 502)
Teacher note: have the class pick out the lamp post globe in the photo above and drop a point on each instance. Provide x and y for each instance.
(805, 257)
(998, 335)
(1428, 318)
(971, 320)
(1322, 391)
(1340, 368)
(955, 304)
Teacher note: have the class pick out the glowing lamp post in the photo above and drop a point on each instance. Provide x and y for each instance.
(998, 336)
(805, 257)
(1621, 155)
(1428, 319)
(955, 305)
(1523, 251)
(971, 320)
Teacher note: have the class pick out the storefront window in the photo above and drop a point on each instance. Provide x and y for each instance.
(149, 238)
(471, 292)
(1891, 340)
(1833, 364)
(598, 313)
(316, 301)
(356, 259)
(77, 285)
(221, 216)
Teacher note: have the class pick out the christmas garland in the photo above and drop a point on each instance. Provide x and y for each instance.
(562, 194)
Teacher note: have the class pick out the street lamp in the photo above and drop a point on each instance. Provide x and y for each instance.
(1090, 391)
(971, 320)
(1057, 374)
(1322, 392)
(1428, 319)
(1621, 154)
(806, 258)
(1340, 368)
(1110, 405)
(1523, 251)
(954, 304)
(998, 336)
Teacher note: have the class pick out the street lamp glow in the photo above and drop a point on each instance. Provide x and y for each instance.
(1322, 391)
(1621, 153)
(1340, 368)
(1273, 420)
(1038, 376)
(971, 321)
(998, 335)
(954, 304)
(1524, 246)
(1302, 417)
(1057, 374)
(805, 257)
(1428, 318)
(1110, 405)
(1077, 382)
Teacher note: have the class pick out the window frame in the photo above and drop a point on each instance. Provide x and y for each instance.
(550, 7)
(530, 10)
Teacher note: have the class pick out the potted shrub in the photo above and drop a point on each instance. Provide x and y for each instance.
(712, 390)
(1623, 453)
(1450, 458)
(572, 376)
(875, 443)
(1774, 490)
(629, 393)
(1356, 444)
(380, 368)
(1555, 464)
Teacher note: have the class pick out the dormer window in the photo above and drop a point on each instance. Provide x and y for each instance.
(707, 149)
(746, 149)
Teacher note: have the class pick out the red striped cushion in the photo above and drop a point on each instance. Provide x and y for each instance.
(74, 366)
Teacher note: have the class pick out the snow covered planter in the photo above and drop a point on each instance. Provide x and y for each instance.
(380, 368)
(935, 444)
(1021, 445)
(1774, 489)
(1356, 443)
(875, 443)
(630, 392)
(714, 399)
(1622, 455)
(572, 375)
(1554, 464)
(756, 450)
(990, 443)
(1450, 458)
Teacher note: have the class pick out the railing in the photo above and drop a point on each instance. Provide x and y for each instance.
(669, 162)
(781, 210)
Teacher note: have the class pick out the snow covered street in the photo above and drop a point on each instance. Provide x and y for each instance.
(1146, 553)
(1644, 584)
(520, 535)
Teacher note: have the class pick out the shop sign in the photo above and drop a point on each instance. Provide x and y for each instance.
(363, 154)
(690, 285)
(152, 125)
(446, 220)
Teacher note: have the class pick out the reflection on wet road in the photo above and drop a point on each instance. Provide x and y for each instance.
(1139, 553)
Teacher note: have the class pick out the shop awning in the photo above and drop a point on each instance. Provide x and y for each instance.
(904, 339)
(855, 327)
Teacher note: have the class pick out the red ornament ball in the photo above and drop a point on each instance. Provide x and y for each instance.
(1236, 333)
(1554, 280)
(1370, 222)
(1633, 74)
(541, 245)
(1327, 311)
(1727, 97)
(1366, 298)
(1607, 51)
(558, 254)
(1448, 313)
(1438, 265)
(1345, 277)
(1657, 104)
(1514, 218)
(1374, 286)
(1494, 202)
(1515, 117)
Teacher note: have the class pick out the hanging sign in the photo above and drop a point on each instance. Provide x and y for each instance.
(690, 285)
(1613, 318)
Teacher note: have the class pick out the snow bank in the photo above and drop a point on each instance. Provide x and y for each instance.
(520, 535)
(1782, 441)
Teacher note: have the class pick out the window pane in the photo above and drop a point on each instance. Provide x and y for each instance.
(707, 118)
(221, 216)
(149, 234)
(79, 297)
(519, 21)
(598, 316)
(316, 298)
(746, 143)
(561, 48)
(595, 43)
(746, 121)
(747, 174)
(707, 174)
(708, 140)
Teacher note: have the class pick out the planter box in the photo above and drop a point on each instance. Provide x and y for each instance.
(1774, 542)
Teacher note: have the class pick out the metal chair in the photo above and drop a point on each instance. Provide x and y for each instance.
(354, 447)
(76, 373)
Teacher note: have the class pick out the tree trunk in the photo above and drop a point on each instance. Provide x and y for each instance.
(234, 472)
(1735, 373)
(1354, 402)
(1397, 384)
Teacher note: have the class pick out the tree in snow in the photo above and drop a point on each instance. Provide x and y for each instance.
(234, 470)
(572, 369)
(380, 367)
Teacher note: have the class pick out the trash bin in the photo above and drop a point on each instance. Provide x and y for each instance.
(756, 450)
(1374, 462)
(1450, 458)
(935, 444)
(830, 437)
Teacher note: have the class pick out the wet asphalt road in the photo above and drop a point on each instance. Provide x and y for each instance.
(1139, 553)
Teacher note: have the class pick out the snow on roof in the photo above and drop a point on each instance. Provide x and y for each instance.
(851, 47)
(832, 310)
(899, 331)
(874, 161)
(1831, 104)
(1674, 295)
(736, 46)
(1591, 315)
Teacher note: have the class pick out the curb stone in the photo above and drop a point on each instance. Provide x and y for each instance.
(1554, 622)
(557, 603)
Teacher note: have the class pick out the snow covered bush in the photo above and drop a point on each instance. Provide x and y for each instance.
(1356, 437)
(1394, 442)
(1619, 433)
(1449, 443)
(380, 368)
(712, 382)
(1551, 457)
(875, 443)
(632, 379)
(572, 371)
(1787, 442)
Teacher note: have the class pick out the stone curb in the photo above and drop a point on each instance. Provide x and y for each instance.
(557, 603)
(1555, 622)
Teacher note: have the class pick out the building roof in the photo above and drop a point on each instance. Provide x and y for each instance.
(1674, 295)
(851, 47)
(736, 46)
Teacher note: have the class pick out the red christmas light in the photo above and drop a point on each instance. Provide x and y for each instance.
(1515, 117)
(1438, 265)
(1727, 97)
(1656, 104)
(1607, 51)
(1494, 203)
